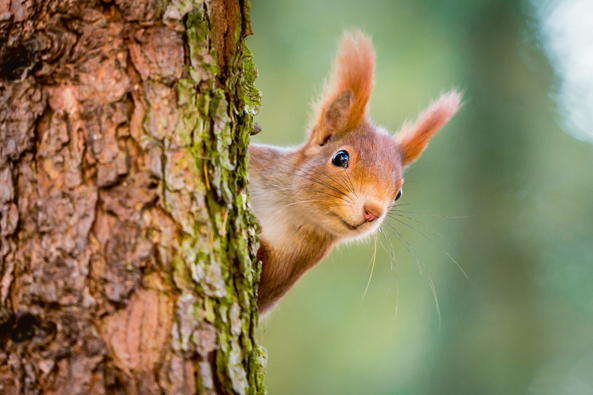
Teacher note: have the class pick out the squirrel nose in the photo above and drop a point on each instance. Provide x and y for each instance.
(371, 212)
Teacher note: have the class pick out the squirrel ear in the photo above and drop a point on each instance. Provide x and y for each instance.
(334, 120)
(345, 100)
(413, 138)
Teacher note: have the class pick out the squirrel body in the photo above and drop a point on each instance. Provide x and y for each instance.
(341, 183)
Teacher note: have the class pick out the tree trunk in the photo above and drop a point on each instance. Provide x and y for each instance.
(126, 238)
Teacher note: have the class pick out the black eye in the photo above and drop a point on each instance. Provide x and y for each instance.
(399, 194)
(340, 159)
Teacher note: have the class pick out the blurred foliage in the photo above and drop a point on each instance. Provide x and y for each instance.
(523, 323)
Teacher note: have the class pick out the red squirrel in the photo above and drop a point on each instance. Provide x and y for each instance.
(341, 183)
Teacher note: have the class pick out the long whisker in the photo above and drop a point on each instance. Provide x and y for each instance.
(409, 171)
(372, 270)
(441, 248)
(432, 215)
(419, 263)
(344, 185)
(399, 205)
(310, 177)
(336, 188)
(351, 184)
(393, 214)
(434, 294)
(406, 245)
(303, 173)
(296, 188)
(392, 264)
(316, 181)
(390, 248)
(314, 177)
(303, 201)
(273, 189)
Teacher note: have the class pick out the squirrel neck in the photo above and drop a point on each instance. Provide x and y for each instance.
(290, 245)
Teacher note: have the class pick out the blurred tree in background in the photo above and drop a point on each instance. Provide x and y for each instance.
(508, 192)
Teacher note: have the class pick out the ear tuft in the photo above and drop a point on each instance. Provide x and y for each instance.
(413, 138)
(352, 77)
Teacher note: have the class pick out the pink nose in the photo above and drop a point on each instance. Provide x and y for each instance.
(371, 212)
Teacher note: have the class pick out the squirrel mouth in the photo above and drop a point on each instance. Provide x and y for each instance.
(348, 225)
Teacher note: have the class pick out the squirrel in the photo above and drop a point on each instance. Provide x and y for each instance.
(341, 183)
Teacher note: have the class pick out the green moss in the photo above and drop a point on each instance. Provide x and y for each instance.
(251, 95)
(202, 55)
(216, 258)
(261, 364)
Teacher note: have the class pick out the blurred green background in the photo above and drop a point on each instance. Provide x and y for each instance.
(523, 323)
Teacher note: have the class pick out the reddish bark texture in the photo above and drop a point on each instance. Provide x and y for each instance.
(95, 185)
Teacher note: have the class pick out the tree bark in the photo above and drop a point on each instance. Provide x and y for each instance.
(127, 241)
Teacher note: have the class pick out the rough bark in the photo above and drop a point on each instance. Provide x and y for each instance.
(126, 238)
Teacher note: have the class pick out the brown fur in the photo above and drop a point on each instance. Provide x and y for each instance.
(307, 205)
(278, 277)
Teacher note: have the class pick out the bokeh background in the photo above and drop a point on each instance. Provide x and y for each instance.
(504, 190)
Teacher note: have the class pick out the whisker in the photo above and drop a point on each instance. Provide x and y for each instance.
(344, 185)
(393, 214)
(409, 249)
(372, 270)
(310, 190)
(303, 201)
(392, 264)
(303, 173)
(313, 177)
(389, 250)
(434, 294)
(351, 184)
(441, 248)
(337, 189)
(419, 263)
(399, 205)
(432, 215)
(409, 171)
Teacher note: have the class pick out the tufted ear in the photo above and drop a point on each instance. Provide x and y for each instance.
(413, 138)
(344, 104)
(334, 118)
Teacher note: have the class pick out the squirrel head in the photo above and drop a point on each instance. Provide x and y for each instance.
(349, 170)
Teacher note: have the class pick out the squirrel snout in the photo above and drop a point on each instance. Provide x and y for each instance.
(371, 212)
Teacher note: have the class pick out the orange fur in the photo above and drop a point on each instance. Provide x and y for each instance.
(353, 71)
(414, 138)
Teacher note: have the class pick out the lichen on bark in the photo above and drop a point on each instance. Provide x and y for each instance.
(127, 255)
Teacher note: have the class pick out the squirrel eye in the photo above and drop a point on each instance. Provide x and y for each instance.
(340, 159)
(399, 194)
